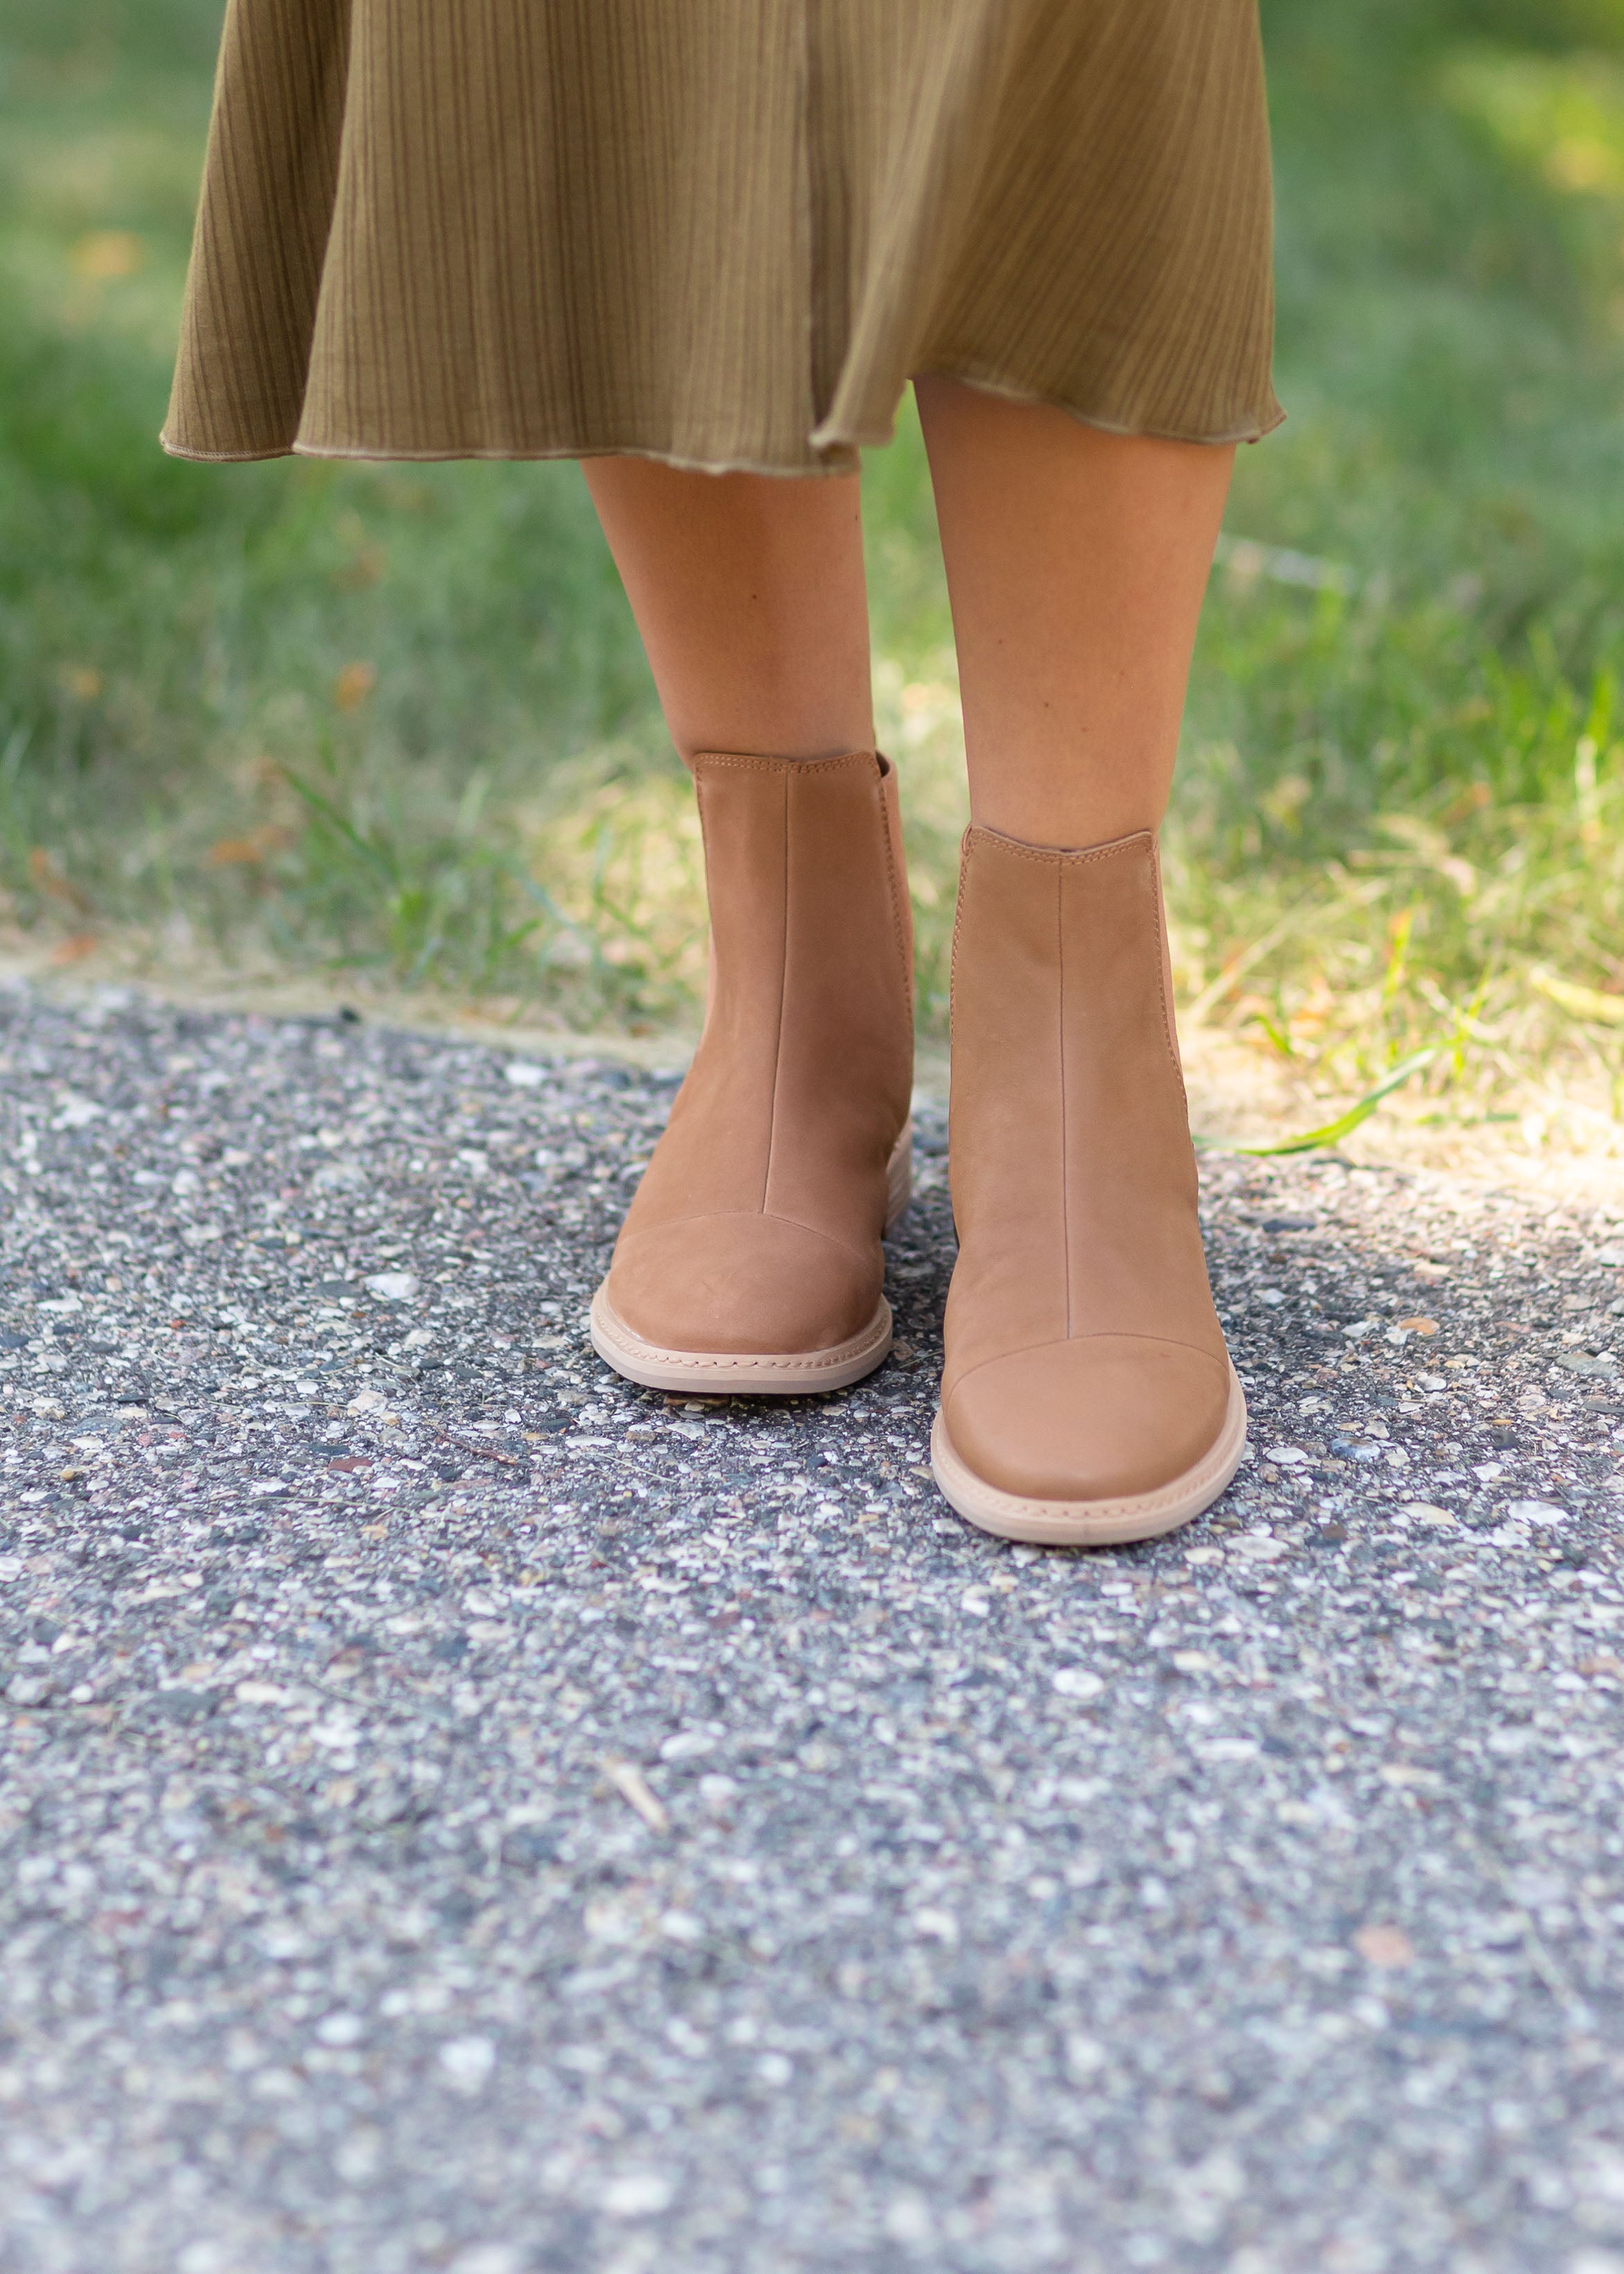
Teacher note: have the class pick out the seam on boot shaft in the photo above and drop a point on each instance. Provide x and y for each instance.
(901, 925)
(1060, 857)
(980, 850)
(885, 768)
(874, 777)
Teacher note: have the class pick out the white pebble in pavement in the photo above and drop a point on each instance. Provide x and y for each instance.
(466, 2063)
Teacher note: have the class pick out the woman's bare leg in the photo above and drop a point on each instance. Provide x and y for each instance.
(749, 591)
(1076, 563)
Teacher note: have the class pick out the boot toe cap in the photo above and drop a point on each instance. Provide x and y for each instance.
(1103, 1417)
(743, 1285)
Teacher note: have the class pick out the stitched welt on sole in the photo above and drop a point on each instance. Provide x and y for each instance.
(1093, 1523)
(732, 1374)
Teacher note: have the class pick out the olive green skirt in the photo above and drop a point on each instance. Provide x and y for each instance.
(724, 233)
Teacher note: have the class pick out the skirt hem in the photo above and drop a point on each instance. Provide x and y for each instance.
(1252, 429)
(838, 451)
(384, 453)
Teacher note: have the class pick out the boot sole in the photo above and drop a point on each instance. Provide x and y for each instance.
(767, 1373)
(735, 1374)
(1092, 1523)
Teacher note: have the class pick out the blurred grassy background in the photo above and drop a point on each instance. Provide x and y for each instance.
(396, 719)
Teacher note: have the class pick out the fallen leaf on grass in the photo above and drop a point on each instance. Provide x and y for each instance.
(48, 877)
(362, 569)
(355, 682)
(247, 851)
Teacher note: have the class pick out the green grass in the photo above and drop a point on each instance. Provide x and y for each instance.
(395, 720)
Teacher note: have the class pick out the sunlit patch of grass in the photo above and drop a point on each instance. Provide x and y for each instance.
(1447, 872)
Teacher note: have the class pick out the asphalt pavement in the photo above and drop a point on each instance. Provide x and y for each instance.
(460, 1812)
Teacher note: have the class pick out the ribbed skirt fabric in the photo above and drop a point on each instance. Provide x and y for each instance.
(722, 232)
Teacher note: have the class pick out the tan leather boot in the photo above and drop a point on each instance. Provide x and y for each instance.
(750, 1260)
(1087, 1395)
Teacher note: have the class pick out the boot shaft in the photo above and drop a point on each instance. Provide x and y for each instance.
(1073, 1177)
(802, 1079)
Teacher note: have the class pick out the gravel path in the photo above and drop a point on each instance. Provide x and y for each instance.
(461, 1814)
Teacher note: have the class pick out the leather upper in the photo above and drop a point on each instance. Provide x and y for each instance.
(757, 1225)
(1084, 1358)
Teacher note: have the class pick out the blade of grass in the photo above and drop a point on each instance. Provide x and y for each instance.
(374, 856)
(1334, 1131)
(1583, 1002)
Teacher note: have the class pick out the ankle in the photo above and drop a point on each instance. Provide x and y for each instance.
(1061, 828)
(1089, 837)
